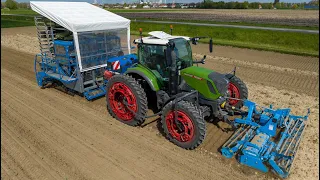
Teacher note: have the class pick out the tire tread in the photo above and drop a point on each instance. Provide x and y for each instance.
(141, 98)
(197, 119)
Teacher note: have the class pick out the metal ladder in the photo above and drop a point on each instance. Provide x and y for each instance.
(45, 36)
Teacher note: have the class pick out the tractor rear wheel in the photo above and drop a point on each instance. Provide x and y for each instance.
(189, 131)
(126, 100)
(237, 89)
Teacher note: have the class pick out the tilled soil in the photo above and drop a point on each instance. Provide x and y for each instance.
(47, 134)
(287, 17)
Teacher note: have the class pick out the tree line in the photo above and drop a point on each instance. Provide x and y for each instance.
(209, 4)
(11, 4)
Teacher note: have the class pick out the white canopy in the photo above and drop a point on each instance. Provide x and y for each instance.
(79, 16)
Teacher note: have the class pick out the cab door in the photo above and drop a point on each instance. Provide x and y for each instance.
(153, 57)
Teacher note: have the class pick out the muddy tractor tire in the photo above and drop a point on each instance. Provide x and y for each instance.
(126, 100)
(236, 89)
(192, 129)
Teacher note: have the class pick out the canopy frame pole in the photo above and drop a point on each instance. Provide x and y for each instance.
(128, 39)
(76, 43)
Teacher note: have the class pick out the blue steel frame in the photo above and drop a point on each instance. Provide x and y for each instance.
(50, 68)
(256, 139)
(62, 67)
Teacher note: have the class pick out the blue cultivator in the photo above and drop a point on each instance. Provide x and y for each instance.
(265, 138)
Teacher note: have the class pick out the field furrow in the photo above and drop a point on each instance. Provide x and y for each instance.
(249, 16)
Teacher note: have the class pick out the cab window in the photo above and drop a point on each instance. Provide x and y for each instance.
(153, 57)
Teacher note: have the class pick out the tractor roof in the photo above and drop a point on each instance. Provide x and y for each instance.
(158, 37)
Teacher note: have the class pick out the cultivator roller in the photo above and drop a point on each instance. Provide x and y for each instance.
(266, 138)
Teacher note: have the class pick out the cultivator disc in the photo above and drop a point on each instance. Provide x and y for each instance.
(266, 138)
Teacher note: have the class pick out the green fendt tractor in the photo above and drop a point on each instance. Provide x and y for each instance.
(185, 95)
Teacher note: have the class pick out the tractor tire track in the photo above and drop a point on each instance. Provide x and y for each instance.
(78, 156)
(4, 170)
(16, 150)
(40, 143)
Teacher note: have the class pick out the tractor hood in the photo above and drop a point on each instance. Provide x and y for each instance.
(209, 83)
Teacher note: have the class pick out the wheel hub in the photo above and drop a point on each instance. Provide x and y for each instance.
(121, 99)
(183, 130)
(234, 93)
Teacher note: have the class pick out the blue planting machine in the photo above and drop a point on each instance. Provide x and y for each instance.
(266, 138)
(58, 61)
(63, 68)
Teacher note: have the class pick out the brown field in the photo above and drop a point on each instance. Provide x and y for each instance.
(284, 17)
(47, 134)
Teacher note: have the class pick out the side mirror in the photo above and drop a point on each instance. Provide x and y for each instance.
(202, 61)
(210, 45)
(194, 40)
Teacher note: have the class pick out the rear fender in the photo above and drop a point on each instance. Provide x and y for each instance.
(148, 76)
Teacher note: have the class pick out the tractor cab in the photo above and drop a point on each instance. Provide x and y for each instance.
(152, 53)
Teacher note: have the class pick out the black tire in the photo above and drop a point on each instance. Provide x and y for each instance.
(243, 90)
(140, 99)
(194, 115)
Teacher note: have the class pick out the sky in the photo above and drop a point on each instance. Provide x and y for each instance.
(168, 1)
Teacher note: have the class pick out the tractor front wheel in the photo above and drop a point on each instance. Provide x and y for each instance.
(188, 130)
(126, 100)
(236, 89)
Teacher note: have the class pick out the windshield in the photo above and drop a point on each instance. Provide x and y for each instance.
(183, 51)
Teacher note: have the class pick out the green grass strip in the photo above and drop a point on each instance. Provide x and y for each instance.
(232, 23)
(19, 11)
(6, 23)
(284, 42)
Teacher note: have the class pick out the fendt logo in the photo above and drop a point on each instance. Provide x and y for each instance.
(193, 76)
